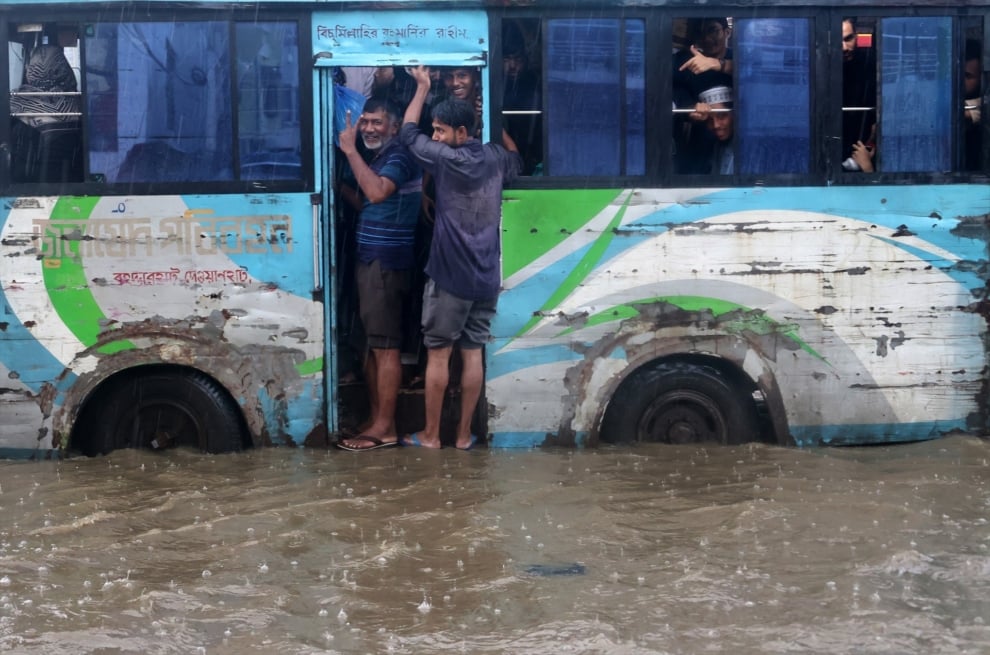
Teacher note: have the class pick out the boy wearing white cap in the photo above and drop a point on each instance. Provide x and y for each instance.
(714, 108)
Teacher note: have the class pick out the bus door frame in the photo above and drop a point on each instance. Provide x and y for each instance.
(382, 38)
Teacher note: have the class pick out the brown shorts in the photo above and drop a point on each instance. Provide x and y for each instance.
(381, 295)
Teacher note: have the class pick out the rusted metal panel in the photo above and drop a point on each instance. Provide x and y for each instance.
(857, 313)
(222, 284)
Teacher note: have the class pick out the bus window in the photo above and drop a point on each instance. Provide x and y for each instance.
(774, 91)
(595, 97)
(160, 109)
(166, 87)
(46, 134)
(916, 107)
(522, 92)
(742, 109)
(268, 101)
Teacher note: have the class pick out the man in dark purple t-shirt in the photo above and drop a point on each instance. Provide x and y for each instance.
(464, 265)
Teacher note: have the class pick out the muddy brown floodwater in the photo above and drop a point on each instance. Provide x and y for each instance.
(647, 549)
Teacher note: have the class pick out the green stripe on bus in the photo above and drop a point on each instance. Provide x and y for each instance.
(310, 366)
(748, 322)
(537, 221)
(580, 272)
(66, 283)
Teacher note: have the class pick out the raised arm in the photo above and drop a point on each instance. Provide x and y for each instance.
(375, 188)
(414, 110)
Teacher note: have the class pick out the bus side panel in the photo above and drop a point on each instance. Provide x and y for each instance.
(855, 307)
(224, 284)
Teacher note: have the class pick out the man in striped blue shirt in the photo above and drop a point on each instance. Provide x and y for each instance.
(387, 195)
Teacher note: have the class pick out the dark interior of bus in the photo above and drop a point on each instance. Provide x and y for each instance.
(394, 85)
(46, 130)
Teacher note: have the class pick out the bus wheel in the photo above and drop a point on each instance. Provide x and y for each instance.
(680, 403)
(160, 408)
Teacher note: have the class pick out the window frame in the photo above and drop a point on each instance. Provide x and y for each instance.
(132, 13)
(825, 95)
(833, 117)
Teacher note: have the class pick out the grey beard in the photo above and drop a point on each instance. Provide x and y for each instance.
(374, 148)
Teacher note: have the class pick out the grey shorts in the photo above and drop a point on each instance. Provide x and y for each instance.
(449, 320)
(381, 294)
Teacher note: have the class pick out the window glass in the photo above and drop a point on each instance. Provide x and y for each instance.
(268, 101)
(635, 98)
(916, 77)
(159, 105)
(774, 92)
(170, 95)
(591, 102)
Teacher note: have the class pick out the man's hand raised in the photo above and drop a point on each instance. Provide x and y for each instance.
(347, 138)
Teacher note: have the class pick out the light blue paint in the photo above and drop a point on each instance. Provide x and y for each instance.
(325, 153)
(969, 279)
(389, 38)
(305, 411)
(517, 439)
(886, 206)
(529, 439)
(25, 356)
(24, 453)
(289, 421)
(532, 293)
(838, 435)
(273, 411)
(291, 271)
(505, 363)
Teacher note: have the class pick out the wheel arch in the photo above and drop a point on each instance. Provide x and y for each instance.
(255, 381)
(99, 391)
(748, 373)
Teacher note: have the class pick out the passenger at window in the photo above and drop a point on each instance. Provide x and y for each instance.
(859, 96)
(521, 93)
(464, 83)
(706, 62)
(973, 100)
(714, 109)
(862, 156)
(393, 84)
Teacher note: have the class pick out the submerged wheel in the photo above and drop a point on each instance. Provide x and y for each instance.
(680, 403)
(160, 408)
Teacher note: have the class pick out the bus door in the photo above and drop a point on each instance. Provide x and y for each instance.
(358, 55)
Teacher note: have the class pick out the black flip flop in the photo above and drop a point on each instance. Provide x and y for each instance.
(376, 443)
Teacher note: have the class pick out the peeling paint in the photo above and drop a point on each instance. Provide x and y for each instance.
(849, 317)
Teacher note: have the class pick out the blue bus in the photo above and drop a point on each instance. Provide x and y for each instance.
(175, 265)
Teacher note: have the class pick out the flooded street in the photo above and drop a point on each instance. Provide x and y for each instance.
(650, 549)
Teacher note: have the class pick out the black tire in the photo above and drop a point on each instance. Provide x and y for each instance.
(159, 408)
(680, 403)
